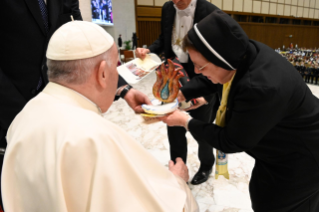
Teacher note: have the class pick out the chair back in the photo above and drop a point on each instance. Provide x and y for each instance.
(128, 56)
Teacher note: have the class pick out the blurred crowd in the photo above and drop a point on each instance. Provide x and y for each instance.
(305, 61)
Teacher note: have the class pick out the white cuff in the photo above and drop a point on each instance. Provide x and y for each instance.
(187, 122)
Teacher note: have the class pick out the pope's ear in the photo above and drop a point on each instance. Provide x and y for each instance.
(102, 75)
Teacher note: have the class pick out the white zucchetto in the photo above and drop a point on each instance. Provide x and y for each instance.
(78, 40)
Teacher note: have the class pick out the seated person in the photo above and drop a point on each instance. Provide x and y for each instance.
(63, 156)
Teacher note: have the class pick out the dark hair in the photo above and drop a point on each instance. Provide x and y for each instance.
(187, 43)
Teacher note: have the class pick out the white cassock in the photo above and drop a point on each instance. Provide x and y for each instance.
(63, 156)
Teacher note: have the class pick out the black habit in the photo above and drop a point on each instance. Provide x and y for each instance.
(273, 116)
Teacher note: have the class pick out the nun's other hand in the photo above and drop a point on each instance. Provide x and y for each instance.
(177, 118)
(180, 96)
(200, 101)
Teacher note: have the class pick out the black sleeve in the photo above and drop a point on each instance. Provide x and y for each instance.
(158, 46)
(255, 112)
(12, 101)
(199, 86)
(76, 10)
(120, 83)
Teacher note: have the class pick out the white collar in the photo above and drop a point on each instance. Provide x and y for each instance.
(189, 11)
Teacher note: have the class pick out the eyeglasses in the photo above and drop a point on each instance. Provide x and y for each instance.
(201, 68)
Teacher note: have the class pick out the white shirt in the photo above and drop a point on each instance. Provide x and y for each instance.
(184, 21)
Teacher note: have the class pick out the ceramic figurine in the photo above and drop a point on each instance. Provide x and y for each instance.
(166, 86)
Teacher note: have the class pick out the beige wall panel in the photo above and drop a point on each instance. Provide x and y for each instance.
(316, 14)
(273, 0)
(256, 6)
(248, 6)
(311, 13)
(287, 9)
(306, 3)
(281, 1)
(86, 12)
(294, 2)
(287, 1)
(280, 9)
(217, 3)
(300, 2)
(305, 13)
(265, 7)
(145, 2)
(228, 5)
(160, 2)
(273, 9)
(312, 3)
(293, 11)
(238, 5)
(317, 4)
(299, 11)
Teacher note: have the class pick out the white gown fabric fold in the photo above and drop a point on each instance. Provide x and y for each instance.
(63, 156)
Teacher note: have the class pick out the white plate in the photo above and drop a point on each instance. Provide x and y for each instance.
(158, 108)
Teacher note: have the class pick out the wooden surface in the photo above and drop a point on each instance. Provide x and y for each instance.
(148, 32)
(277, 35)
(274, 31)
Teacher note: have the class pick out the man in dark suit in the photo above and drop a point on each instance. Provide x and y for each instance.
(178, 16)
(119, 41)
(27, 27)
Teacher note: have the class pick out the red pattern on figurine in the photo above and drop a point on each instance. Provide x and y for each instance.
(167, 86)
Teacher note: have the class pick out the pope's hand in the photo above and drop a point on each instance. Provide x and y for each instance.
(200, 101)
(141, 53)
(135, 99)
(177, 118)
(179, 169)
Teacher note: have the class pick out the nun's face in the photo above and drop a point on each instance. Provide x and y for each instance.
(214, 73)
(181, 4)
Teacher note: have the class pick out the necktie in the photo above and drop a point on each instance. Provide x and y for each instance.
(44, 13)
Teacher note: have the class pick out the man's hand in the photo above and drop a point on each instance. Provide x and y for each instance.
(177, 118)
(135, 99)
(141, 53)
(200, 102)
(179, 169)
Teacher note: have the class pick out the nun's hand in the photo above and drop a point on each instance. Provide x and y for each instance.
(177, 118)
(180, 96)
(200, 101)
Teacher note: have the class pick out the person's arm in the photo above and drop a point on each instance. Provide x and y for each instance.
(255, 113)
(199, 86)
(133, 98)
(11, 101)
(157, 46)
(76, 10)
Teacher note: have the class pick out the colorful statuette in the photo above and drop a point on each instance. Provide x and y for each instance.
(166, 86)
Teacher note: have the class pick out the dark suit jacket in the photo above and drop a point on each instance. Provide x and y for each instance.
(23, 44)
(164, 42)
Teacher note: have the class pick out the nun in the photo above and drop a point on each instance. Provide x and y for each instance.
(272, 118)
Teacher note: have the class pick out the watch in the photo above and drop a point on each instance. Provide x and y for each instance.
(125, 90)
